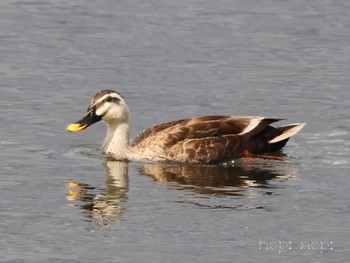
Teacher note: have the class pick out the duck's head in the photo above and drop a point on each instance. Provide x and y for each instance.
(106, 105)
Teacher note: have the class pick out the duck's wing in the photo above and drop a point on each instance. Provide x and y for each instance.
(205, 126)
(211, 139)
(227, 125)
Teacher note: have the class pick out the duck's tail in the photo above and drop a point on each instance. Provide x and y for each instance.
(287, 131)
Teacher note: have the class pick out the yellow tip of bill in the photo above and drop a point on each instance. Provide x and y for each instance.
(73, 127)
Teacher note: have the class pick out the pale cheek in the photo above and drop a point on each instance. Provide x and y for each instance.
(102, 110)
(111, 114)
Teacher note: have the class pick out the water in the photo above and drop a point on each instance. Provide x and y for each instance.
(62, 202)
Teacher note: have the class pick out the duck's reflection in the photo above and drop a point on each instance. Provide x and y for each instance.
(231, 180)
(102, 206)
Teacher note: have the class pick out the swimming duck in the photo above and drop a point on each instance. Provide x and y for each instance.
(200, 140)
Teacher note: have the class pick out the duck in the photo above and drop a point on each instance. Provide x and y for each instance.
(200, 140)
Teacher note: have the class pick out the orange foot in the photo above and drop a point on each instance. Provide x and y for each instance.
(246, 153)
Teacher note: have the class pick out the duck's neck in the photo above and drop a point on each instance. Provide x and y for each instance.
(117, 140)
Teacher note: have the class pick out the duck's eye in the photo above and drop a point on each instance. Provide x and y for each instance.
(109, 99)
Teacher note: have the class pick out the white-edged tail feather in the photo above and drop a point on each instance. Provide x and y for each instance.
(287, 131)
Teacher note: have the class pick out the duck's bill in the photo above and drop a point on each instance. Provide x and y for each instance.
(74, 127)
(89, 118)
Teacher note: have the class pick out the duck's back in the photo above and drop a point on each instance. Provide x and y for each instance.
(209, 139)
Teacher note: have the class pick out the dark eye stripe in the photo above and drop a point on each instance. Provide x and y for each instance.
(112, 99)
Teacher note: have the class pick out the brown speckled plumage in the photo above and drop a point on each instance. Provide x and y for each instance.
(210, 139)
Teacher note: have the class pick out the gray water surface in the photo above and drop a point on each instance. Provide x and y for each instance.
(61, 201)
